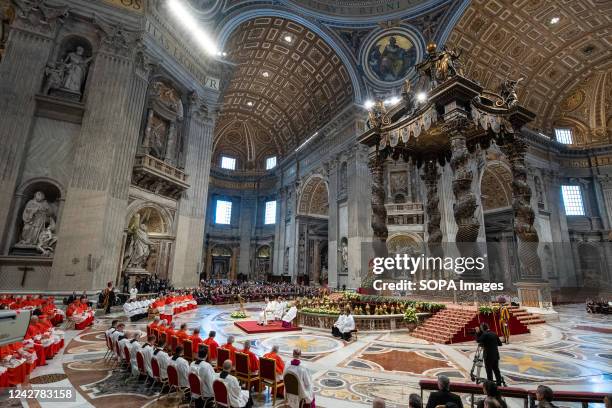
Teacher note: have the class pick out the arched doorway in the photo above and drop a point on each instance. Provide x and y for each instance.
(496, 196)
(262, 263)
(312, 227)
(221, 257)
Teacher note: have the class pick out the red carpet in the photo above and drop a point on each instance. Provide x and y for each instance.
(251, 326)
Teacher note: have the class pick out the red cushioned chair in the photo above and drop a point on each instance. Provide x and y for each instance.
(267, 374)
(221, 394)
(141, 366)
(172, 380)
(157, 374)
(195, 387)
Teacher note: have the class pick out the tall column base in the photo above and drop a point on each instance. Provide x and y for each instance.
(534, 294)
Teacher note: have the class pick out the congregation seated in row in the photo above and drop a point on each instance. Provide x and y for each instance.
(598, 306)
(211, 362)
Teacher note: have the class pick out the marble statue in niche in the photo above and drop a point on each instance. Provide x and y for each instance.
(344, 255)
(65, 78)
(163, 123)
(38, 230)
(138, 246)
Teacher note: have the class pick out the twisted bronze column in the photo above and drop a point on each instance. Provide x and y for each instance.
(379, 212)
(431, 177)
(524, 216)
(465, 199)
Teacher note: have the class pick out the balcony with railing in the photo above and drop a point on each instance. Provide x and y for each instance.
(158, 176)
(405, 214)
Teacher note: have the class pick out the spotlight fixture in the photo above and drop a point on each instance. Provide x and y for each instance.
(249, 103)
(184, 15)
(421, 97)
(265, 74)
(288, 38)
(554, 20)
(368, 104)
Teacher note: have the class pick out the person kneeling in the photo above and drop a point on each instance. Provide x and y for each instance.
(289, 316)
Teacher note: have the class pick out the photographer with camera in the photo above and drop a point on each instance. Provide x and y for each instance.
(489, 341)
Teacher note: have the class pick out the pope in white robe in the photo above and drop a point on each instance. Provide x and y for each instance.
(206, 374)
(289, 316)
(267, 313)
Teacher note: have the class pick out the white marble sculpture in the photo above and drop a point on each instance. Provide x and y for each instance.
(76, 70)
(139, 245)
(38, 230)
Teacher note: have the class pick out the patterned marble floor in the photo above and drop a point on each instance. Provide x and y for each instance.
(574, 353)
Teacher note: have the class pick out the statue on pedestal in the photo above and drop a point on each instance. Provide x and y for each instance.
(138, 247)
(38, 232)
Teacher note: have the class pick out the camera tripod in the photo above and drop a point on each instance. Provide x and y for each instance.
(477, 367)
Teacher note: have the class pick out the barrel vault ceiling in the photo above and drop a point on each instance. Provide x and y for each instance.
(286, 84)
(566, 66)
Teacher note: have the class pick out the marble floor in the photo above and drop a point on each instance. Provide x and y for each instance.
(574, 353)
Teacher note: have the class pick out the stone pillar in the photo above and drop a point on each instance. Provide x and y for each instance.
(247, 215)
(234, 265)
(192, 208)
(279, 233)
(332, 225)
(379, 212)
(21, 75)
(316, 260)
(89, 239)
(359, 213)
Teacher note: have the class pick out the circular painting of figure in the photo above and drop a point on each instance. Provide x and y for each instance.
(390, 57)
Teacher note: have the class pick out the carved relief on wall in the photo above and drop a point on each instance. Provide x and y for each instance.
(66, 76)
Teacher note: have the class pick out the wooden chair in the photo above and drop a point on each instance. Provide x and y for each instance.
(222, 355)
(157, 374)
(221, 394)
(173, 343)
(149, 331)
(268, 377)
(164, 337)
(109, 347)
(292, 392)
(205, 346)
(173, 382)
(188, 350)
(194, 386)
(141, 366)
(243, 371)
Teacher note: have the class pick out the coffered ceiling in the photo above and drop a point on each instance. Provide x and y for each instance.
(286, 84)
(565, 64)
